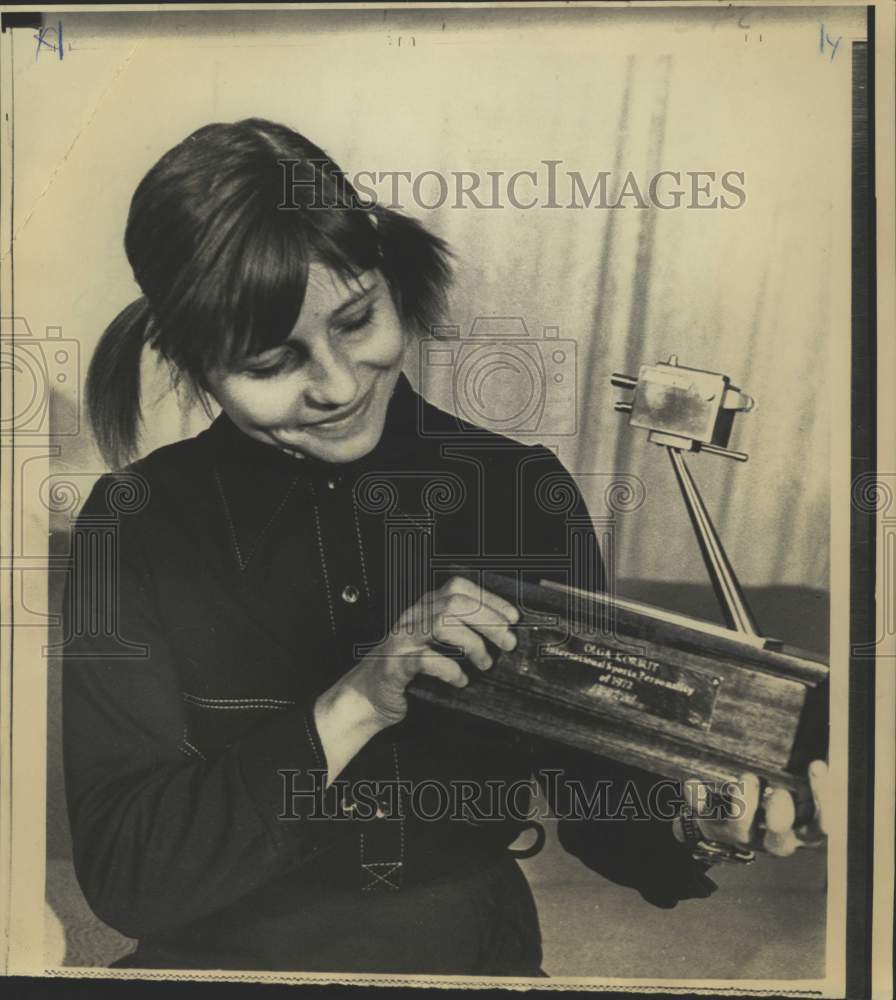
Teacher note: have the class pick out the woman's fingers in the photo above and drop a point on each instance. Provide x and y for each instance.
(819, 783)
(443, 668)
(459, 605)
(780, 812)
(813, 833)
(781, 837)
(470, 643)
(460, 612)
(744, 809)
(776, 834)
(484, 598)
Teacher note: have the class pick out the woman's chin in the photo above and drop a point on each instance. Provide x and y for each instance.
(337, 450)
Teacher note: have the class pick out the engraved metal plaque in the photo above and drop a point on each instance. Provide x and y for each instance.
(596, 670)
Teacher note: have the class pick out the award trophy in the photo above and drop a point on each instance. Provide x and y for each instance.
(676, 696)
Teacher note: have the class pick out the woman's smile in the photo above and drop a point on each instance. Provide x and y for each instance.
(344, 423)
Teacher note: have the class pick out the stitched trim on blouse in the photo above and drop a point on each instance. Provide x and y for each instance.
(241, 560)
(323, 566)
(360, 547)
(189, 749)
(194, 750)
(400, 815)
(393, 866)
(375, 876)
(313, 742)
(236, 703)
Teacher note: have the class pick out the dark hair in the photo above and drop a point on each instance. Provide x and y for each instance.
(220, 235)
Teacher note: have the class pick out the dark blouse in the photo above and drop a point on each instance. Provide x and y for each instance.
(219, 586)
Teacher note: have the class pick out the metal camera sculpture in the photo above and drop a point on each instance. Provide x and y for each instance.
(686, 409)
(676, 696)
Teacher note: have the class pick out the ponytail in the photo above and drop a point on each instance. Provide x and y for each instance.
(113, 384)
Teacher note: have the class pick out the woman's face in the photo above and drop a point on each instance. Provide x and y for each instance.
(324, 392)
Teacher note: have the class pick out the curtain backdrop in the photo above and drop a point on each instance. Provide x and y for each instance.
(753, 292)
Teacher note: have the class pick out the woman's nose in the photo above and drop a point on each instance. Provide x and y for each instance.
(333, 383)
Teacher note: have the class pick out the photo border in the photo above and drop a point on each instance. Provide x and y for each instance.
(864, 626)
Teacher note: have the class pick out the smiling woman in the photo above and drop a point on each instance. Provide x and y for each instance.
(225, 269)
(235, 788)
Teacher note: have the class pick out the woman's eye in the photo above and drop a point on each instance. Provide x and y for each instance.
(358, 322)
(269, 370)
(291, 360)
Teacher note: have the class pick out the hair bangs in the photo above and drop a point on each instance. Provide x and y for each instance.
(266, 278)
(345, 240)
(260, 279)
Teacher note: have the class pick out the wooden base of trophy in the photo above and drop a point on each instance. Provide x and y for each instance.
(674, 696)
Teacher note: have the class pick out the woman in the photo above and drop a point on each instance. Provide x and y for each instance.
(280, 579)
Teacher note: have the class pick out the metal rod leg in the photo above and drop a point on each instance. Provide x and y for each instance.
(728, 591)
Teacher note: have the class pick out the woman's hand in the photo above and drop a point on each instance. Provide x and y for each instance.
(371, 696)
(779, 836)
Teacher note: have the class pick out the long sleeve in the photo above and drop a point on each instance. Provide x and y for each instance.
(621, 841)
(162, 836)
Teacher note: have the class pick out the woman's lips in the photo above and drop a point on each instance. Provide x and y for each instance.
(337, 428)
